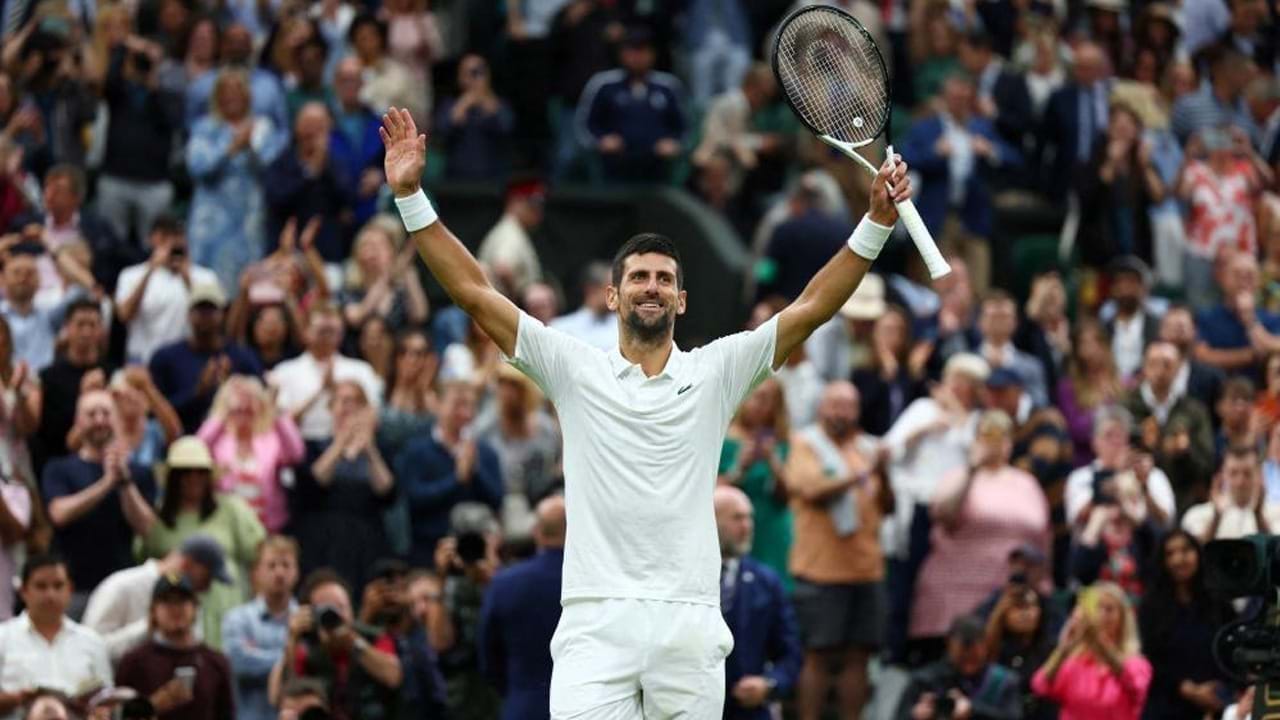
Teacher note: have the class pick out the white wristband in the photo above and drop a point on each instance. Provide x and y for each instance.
(868, 238)
(416, 211)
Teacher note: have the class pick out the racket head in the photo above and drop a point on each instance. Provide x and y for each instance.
(832, 74)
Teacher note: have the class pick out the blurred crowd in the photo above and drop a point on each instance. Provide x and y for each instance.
(248, 469)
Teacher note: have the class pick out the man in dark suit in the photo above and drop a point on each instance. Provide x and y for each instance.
(1203, 382)
(1077, 113)
(766, 657)
(1134, 326)
(1003, 97)
(520, 613)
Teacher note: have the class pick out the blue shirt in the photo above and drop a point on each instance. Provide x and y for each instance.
(176, 369)
(253, 640)
(1220, 328)
(36, 333)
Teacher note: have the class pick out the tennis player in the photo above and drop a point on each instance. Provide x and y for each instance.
(641, 635)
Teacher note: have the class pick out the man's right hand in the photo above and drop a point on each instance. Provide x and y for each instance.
(301, 622)
(172, 694)
(406, 152)
(924, 708)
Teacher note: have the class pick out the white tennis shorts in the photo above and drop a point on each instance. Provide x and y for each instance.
(621, 659)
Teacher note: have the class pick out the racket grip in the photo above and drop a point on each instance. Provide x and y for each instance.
(923, 239)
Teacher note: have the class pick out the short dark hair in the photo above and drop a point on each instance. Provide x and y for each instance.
(967, 630)
(647, 243)
(323, 576)
(363, 19)
(1239, 388)
(72, 173)
(1247, 453)
(40, 561)
(168, 224)
(80, 305)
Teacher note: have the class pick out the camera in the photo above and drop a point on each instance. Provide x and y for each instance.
(328, 617)
(471, 547)
(1248, 650)
(1244, 567)
(944, 706)
(1103, 485)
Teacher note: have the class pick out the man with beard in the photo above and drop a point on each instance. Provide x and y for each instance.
(1132, 327)
(98, 501)
(641, 634)
(387, 607)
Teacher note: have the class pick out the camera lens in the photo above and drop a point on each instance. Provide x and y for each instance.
(329, 618)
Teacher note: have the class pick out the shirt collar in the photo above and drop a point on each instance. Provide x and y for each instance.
(673, 369)
(261, 612)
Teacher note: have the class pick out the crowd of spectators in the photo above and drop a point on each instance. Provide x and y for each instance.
(248, 469)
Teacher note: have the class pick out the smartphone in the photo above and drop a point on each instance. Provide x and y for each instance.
(186, 674)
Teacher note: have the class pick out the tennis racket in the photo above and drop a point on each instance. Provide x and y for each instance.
(835, 81)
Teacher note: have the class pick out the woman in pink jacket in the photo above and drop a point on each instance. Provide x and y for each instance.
(1097, 672)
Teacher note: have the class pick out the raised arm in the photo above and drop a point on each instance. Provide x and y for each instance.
(447, 258)
(837, 280)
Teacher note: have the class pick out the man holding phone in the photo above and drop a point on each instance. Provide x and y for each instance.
(182, 677)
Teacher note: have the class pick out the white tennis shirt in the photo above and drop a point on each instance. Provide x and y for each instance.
(640, 458)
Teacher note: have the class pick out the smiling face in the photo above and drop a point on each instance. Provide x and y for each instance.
(649, 297)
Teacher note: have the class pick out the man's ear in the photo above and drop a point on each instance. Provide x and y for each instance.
(682, 302)
(611, 297)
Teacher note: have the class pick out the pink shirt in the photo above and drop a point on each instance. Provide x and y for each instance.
(1002, 510)
(256, 479)
(1087, 690)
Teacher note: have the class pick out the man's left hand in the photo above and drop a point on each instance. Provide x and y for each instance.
(751, 691)
(890, 186)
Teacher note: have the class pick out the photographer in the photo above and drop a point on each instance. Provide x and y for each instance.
(465, 564)
(964, 685)
(1118, 538)
(357, 664)
(386, 605)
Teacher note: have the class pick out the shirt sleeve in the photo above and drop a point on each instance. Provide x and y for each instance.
(1197, 519)
(546, 356)
(1162, 493)
(744, 360)
(1079, 492)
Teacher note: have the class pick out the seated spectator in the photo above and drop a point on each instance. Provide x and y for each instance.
(840, 497)
(118, 608)
(465, 564)
(98, 502)
(633, 117)
(1091, 382)
(227, 155)
(80, 366)
(387, 607)
(43, 647)
(967, 679)
(387, 81)
(137, 399)
(1020, 637)
(1202, 381)
(357, 666)
(445, 468)
(1178, 620)
(593, 322)
(235, 50)
(1118, 538)
(508, 248)
(765, 662)
(190, 371)
(311, 179)
(475, 128)
(1133, 327)
(383, 281)
(192, 506)
(153, 298)
(753, 459)
(411, 401)
(254, 634)
(310, 59)
(375, 344)
(519, 617)
(727, 127)
(954, 151)
(1238, 505)
(305, 383)
(342, 490)
(1267, 405)
(33, 327)
(183, 678)
(1112, 428)
(895, 376)
(1046, 330)
(997, 322)
(1219, 101)
(979, 514)
(253, 445)
(1097, 670)
(1239, 424)
(19, 509)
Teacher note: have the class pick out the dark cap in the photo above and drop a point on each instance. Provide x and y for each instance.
(968, 630)
(206, 551)
(171, 584)
(1002, 378)
(1132, 265)
(638, 36)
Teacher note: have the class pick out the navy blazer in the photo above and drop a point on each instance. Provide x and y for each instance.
(766, 640)
(520, 613)
(933, 200)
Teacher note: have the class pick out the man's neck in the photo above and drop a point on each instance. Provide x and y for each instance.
(47, 627)
(652, 357)
(277, 603)
(516, 424)
(206, 343)
(183, 640)
(326, 357)
(451, 435)
(1161, 395)
(21, 305)
(92, 454)
(82, 356)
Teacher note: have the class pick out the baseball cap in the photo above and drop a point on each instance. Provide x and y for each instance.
(206, 551)
(207, 294)
(189, 453)
(171, 584)
(867, 302)
(1001, 378)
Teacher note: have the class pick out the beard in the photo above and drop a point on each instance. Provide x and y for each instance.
(1127, 304)
(652, 329)
(99, 437)
(837, 428)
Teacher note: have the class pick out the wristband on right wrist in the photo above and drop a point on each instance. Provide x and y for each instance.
(868, 238)
(416, 211)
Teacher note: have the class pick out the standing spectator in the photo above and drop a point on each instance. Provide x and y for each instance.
(21, 403)
(1178, 620)
(192, 506)
(1091, 382)
(253, 445)
(357, 127)
(593, 323)
(979, 514)
(754, 459)
(43, 647)
(33, 326)
(384, 282)
(1097, 670)
(803, 243)
(227, 155)
(413, 38)
(1231, 332)
(719, 38)
(387, 81)
(137, 397)
(80, 364)
(65, 220)
(446, 468)
(633, 117)
(1113, 453)
(1203, 381)
(1118, 538)
(311, 180)
(153, 297)
(955, 152)
(519, 617)
(97, 501)
(310, 57)
(529, 57)
(476, 127)
(728, 128)
(18, 509)
(254, 634)
(966, 678)
(1019, 637)
(1133, 327)
(387, 606)
(997, 322)
(1238, 505)
(1075, 118)
(1046, 330)
(1118, 188)
(273, 334)
(839, 498)
(305, 383)
(191, 370)
(343, 490)
(895, 377)
(411, 401)
(1219, 101)
(1002, 93)
(183, 678)
(1239, 424)
(508, 248)
(765, 662)
(263, 87)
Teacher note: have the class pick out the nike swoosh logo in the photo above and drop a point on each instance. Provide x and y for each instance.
(686, 387)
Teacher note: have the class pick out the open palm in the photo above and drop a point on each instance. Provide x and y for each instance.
(406, 152)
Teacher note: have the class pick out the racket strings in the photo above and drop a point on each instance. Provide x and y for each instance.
(834, 76)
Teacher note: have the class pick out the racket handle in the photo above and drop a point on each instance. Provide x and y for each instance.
(923, 239)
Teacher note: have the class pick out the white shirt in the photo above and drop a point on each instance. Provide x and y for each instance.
(640, 458)
(1236, 522)
(119, 607)
(598, 331)
(1079, 490)
(508, 244)
(162, 315)
(74, 663)
(1127, 344)
(300, 378)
